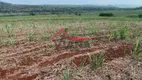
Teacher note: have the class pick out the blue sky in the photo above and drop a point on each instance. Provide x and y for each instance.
(99, 2)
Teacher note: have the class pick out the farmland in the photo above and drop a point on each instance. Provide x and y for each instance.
(28, 53)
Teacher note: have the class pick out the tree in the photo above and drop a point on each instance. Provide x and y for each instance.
(140, 15)
(106, 14)
(32, 14)
(78, 14)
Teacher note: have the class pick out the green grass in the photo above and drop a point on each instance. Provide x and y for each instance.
(8, 30)
(96, 61)
(92, 25)
(45, 37)
(137, 51)
(31, 37)
(119, 16)
(92, 31)
(82, 65)
(123, 33)
(67, 74)
(11, 41)
(118, 13)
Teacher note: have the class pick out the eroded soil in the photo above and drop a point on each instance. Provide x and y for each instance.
(40, 60)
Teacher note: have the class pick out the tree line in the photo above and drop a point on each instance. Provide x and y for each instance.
(12, 9)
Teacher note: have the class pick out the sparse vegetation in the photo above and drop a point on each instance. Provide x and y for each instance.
(137, 51)
(82, 65)
(8, 30)
(123, 33)
(26, 45)
(96, 61)
(133, 16)
(92, 31)
(67, 74)
(31, 37)
(11, 41)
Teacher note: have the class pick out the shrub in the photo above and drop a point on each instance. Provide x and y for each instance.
(32, 14)
(106, 14)
(140, 15)
(77, 14)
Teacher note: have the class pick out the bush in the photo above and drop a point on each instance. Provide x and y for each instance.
(78, 14)
(140, 15)
(32, 14)
(106, 14)
(133, 16)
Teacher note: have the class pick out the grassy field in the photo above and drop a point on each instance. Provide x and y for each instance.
(27, 53)
(117, 13)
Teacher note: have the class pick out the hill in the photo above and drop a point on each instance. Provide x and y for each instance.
(15, 9)
(5, 5)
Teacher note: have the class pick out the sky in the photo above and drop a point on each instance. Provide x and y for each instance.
(98, 2)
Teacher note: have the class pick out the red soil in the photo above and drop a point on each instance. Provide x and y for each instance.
(24, 62)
